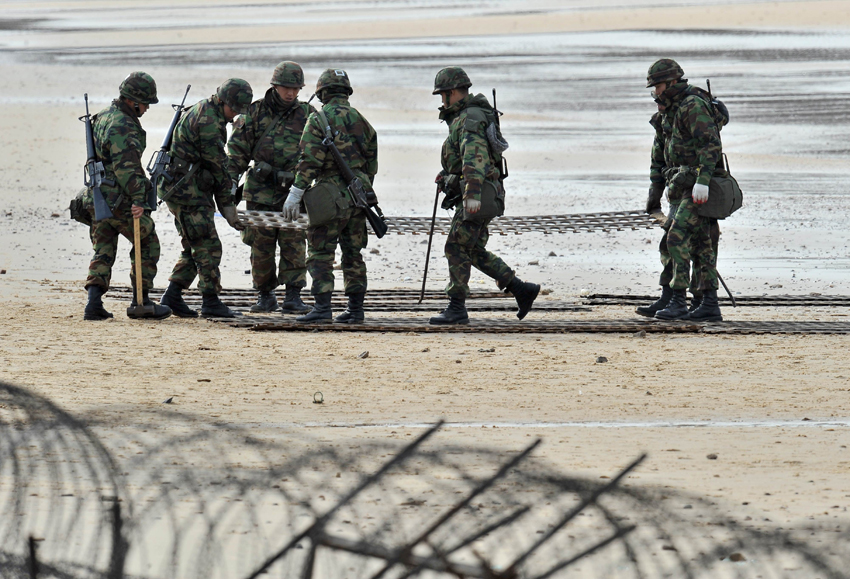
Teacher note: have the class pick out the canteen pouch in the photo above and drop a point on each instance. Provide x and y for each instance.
(323, 202)
(492, 202)
(724, 197)
(262, 171)
(82, 207)
(284, 180)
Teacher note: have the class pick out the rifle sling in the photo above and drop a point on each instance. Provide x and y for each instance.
(326, 128)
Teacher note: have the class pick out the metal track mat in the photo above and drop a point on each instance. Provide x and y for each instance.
(505, 225)
(749, 301)
(510, 326)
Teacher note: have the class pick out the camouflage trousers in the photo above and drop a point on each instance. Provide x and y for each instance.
(292, 270)
(349, 232)
(689, 237)
(466, 246)
(201, 253)
(104, 238)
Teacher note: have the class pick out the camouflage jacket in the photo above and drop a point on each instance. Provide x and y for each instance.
(686, 135)
(119, 141)
(466, 151)
(354, 137)
(199, 137)
(279, 149)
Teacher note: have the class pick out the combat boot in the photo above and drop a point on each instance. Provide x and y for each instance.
(525, 293)
(661, 303)
(709, 309)
(353, 314)
(677, 309)
(151, 310)
(173, 298)
(454, 314)
(292, 303)
(211, 307)
(696, 300)
(321, 312)
(266, 302)
(94, 308)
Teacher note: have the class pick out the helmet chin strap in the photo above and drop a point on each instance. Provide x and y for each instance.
(137, 109)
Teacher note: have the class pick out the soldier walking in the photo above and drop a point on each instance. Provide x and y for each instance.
(685, 153)
(199, 167)
(269, 134)
(340, 223)
(119, 142)
(471, 164)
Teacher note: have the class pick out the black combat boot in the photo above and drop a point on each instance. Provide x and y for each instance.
(211, 307)
(709, 309)
(292, 303)
(94, 308)
(454, 314)
(696, 300)
(353, 314)
(266, 302)
(173, 298)
(150, 311)
(525, 294)
(677, 309)
(321, 312)
(661, 303)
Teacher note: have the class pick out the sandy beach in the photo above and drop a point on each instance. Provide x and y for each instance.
(570, 78)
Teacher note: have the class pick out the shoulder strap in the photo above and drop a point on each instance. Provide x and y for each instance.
(266, 133)
(326, 126)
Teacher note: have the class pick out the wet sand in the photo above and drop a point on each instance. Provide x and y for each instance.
(570, 79)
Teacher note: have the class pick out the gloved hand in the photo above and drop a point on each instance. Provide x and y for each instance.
(653, 201)
(293, 200)
(471, 206)
(229, 213)
(700, 194)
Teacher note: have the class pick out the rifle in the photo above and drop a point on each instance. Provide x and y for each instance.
(355, 186)
(503, 167)
(157, 166)
(94, 172)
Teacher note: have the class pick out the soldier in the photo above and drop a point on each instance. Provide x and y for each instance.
(269, 134)
(685, 153)
(471, 163)
(357, 142)
(199, 167)
(119, 142)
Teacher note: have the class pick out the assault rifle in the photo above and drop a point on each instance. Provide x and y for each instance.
(158, 165)
(503, 167)
(93, 173)
(355, 186)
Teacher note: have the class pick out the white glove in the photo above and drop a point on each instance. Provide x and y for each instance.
(471, 206)
(700, 194)
(291, 209)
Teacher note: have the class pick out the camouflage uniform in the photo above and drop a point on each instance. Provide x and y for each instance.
(687, 135)
(278, 149)
(120, 141)
(358, 143)
(198, 141)
(467, 155)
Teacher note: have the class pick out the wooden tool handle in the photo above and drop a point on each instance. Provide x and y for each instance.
(137, 245)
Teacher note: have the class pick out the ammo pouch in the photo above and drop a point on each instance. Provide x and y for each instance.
(680, 179)
(724, 197)
(82, 206)
(492, 202)
(262, 170)
(324, 202)
(284, 180)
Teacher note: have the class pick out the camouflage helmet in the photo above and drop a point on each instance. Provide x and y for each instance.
(288, 74)
(663, 70)
(237, 94)
(450, 78)
(334, 77)
(139, 87)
